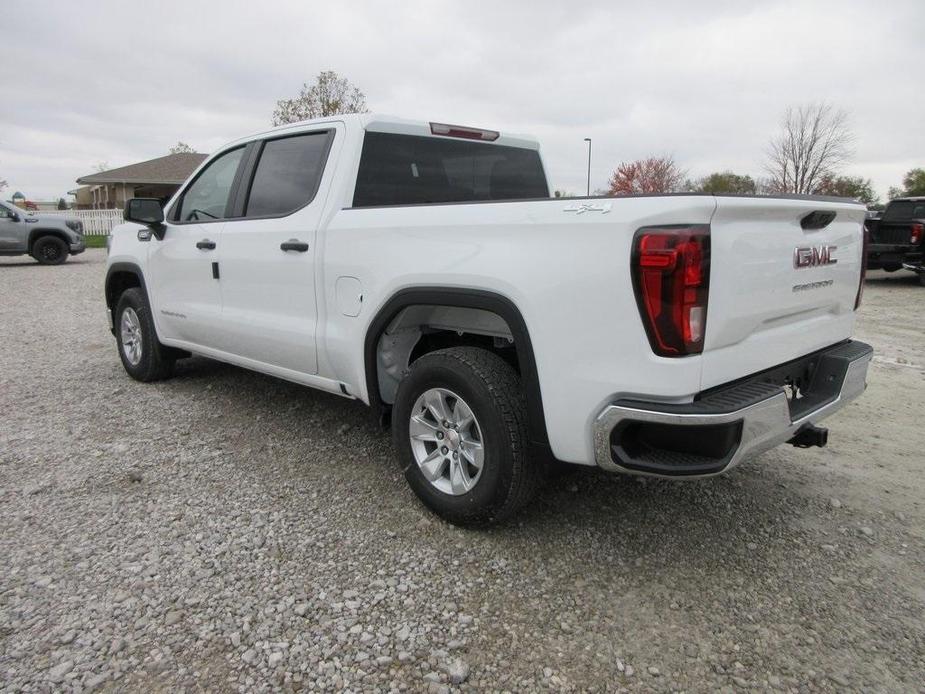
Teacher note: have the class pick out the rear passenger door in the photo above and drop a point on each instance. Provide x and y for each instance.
(268, 252)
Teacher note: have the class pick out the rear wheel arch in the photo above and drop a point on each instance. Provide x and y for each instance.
(479, 304)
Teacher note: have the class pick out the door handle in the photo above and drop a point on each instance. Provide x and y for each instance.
(294, 245)
(205, 245)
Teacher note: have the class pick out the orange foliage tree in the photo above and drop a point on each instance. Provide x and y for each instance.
(652, 175)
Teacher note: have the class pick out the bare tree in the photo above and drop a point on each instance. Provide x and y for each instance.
(330, 95)
(181, 148)
(766, 186)
(2, 183)
(813, 143)
(101, 166)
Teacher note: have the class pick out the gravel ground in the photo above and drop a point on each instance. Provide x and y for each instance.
(227, 531)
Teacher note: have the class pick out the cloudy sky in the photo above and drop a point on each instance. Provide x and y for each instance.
(704, 81)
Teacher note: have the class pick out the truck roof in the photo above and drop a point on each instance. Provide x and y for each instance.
(378, 122)
(910, 198)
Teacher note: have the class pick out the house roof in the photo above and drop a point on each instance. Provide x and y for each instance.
(174, 168)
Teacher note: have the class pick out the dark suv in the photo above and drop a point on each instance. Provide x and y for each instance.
(896, 239)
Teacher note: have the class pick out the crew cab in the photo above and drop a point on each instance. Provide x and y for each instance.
(897, 238)
(424, 269)
(49, 239)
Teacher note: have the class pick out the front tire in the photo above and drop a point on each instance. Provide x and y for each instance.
(49, 250)
(459, 426)
(144, 358)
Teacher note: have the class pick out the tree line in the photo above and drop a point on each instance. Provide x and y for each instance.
(663, 175)
(806, 157)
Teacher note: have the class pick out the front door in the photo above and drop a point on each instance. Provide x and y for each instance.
(187, 294)
(12, 231)
(267, 255)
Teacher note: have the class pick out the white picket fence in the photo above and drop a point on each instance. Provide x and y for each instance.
(96, 222)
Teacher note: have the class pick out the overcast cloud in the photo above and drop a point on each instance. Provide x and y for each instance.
(705, 81)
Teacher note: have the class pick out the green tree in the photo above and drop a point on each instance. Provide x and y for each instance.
(330, 95)
(914, 182)
(725, 182)
(62, 205)
(848, 187)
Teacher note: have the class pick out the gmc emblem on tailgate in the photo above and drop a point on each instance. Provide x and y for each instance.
(813, 256)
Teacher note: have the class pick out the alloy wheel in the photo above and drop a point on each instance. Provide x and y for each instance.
(130, 327)
(446, 441)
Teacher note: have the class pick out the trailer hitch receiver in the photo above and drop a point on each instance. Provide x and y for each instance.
(810, 436)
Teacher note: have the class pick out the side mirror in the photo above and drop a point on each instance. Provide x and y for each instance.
(147, 211)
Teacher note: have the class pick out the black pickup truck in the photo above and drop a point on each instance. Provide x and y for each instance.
(897, 239)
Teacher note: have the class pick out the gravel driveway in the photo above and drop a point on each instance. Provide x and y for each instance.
(226, 531)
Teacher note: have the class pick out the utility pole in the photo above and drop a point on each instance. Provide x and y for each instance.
(588, 140)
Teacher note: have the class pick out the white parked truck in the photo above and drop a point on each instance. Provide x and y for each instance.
(424, 269)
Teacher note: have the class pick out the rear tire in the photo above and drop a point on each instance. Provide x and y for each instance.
(49, 250)
(144, 358)
(474, 384)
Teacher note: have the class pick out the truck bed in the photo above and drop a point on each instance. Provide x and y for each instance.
(567, 265)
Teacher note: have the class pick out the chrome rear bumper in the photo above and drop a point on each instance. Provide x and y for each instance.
(754, 415)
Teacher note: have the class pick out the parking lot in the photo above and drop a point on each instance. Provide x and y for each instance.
(227, 531)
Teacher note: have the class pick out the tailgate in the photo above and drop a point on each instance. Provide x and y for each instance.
(893, 234)
(778, 291)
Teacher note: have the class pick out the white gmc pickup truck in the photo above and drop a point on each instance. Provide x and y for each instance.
(423, 269)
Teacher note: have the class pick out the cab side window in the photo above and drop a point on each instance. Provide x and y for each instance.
(287, 174)
(207, 197)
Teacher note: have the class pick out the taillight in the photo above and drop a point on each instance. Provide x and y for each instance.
(671, 276)
(865, 233)
(918, 231)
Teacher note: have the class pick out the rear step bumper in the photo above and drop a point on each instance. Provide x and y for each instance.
(726, 425)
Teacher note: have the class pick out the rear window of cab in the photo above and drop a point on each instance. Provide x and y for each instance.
(904, 209)
(409, 170)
